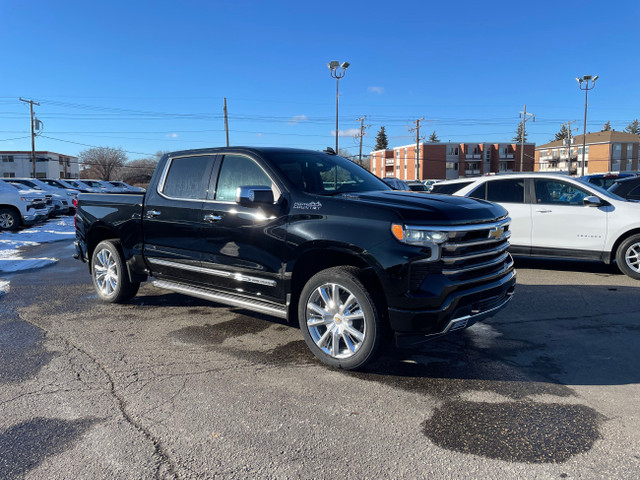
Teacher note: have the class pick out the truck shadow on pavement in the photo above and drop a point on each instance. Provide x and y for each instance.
(505, 388)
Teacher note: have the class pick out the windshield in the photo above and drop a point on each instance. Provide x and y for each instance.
(601, 190)
(449, 188)
(322, 174)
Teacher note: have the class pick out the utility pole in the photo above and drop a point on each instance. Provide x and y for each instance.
(33, 136)
(226, 120)
(362, 133)
(524, 117)
(568, 124)
(418, 138)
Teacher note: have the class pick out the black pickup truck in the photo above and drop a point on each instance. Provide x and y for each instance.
(307, 235)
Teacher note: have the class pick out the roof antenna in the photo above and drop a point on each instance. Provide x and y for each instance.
(329, 151)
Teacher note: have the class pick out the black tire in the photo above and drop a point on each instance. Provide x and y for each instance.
(9, 219)
(348, 334)
(109, 273)
(628, 257)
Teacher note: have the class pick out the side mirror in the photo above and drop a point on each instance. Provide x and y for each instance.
(254, 196)
(592, 201)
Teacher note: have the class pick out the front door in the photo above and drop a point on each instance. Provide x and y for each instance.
(562, 221)
(243, 246)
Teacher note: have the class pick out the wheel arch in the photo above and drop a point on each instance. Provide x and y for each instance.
(618, 242)
(319, 258)
(101, 232)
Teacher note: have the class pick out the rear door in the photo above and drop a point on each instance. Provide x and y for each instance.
(511, 194)
(172, 218)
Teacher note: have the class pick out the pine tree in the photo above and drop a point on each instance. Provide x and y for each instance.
(382, 142)
(633, 127)
(519, 131)
(563, 133)
(606, 127)
(433, 138)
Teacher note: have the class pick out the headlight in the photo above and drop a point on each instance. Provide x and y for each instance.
(418, 236)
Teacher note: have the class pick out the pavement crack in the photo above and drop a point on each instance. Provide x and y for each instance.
(166, 468)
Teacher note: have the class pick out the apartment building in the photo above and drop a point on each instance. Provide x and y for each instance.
(604, 152)
(448, 160)
(48, 165)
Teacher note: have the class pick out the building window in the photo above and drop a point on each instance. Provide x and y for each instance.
(452, 166)
(7, 158)
(9, 174)
(452, 151)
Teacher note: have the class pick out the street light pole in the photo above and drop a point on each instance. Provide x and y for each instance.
(586, 79)
(338, 71)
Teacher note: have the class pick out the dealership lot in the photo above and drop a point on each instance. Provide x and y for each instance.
(174, 387)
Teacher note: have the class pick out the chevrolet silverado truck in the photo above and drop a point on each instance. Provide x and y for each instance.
(303, 235)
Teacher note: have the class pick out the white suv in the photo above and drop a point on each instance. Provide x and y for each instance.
(560, 216)
(20, 207)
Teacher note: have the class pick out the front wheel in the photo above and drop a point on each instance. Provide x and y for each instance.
(9, 219)
(339, 318)
(628, 257)
(109, 273)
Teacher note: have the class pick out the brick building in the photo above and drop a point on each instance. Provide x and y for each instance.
(605, 152)
(450, 160)
(48, 165)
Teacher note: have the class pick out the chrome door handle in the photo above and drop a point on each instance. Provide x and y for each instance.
(540, 210)
(152, 213)
(210, 217)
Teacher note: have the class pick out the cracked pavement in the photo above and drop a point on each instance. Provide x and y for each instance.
(169, 386)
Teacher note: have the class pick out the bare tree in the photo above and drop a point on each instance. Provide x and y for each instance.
(102, 163)
(138, 172)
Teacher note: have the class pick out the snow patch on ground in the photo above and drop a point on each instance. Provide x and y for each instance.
(4, 287)
(10, 243)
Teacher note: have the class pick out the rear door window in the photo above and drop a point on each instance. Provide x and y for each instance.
(509, 190)
(188, 178)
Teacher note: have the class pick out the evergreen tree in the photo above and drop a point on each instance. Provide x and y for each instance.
(519, 131)
(563, 133)
(433, 138)
(633, 127)
(382, 142)
(606, 127)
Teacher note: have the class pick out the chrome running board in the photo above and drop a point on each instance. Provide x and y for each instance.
(230, 299)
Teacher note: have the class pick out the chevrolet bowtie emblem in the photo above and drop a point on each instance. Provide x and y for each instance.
(496, 232)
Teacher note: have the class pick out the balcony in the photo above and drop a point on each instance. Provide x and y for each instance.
(506, 156)
(472, 172)
(472, 156)
(388, 162)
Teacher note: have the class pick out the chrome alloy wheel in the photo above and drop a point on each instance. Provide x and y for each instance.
(105, 271)
(335, 320)
(632, 257)
(6, 220)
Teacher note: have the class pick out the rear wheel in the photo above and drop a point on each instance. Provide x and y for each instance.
(109, 273)
(339, 318)
(9, 219)
(628, 257)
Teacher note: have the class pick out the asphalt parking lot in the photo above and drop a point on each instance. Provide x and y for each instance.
(174, 387)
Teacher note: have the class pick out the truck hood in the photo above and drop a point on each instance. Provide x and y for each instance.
(422, 208)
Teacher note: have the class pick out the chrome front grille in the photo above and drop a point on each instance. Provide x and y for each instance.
(477, 252)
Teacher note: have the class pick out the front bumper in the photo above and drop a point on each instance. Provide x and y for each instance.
(33, 218)
(460, 310)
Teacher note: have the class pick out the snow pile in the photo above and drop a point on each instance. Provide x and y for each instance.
(4, 287)
(52, 231)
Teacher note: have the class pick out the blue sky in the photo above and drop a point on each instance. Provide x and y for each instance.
(151, 76)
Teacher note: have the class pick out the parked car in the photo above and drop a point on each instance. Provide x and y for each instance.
(430, 183)
(20, 208)
(417, 186)
(560, 216)
(126, 187)
(103, 186)
(302, 235)
(62, 200)
(81, 186)
(396, 183)
(48, 198)
(628, 188)
(59, 183)
(605, 180)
